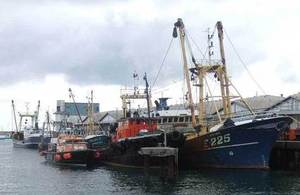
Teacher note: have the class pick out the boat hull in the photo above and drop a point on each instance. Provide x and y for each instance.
(30, 142)
(242, 146)
(22, 144)
(126, 153)
(75, 158)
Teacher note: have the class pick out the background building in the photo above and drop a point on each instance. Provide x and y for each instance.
(66, 114)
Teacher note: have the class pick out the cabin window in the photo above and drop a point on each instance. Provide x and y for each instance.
(161, 121)
(175, 119)
(297, 105)
(165, 120)
(186, 119)
(181, 119)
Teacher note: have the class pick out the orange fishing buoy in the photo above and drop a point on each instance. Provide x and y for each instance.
(67, 156)
(57, 157)
(292, 134)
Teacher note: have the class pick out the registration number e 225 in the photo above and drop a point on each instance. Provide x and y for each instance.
(219, 140)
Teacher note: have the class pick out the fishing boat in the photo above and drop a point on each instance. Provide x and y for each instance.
(4, 137)
(68, 149)
(28, 135)
(227, 142)
(98, 143)
(135, 131)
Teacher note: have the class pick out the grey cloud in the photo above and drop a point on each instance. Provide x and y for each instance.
(35, 41)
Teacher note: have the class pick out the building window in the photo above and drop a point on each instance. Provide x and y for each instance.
(58, 109)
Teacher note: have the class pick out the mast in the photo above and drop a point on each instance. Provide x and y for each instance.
(224, 82)
(36, 125)
(180, 26)
(48, 121)
(201, 70)
(90, 126)
(92, 111)
(128, 94)
(14, 112)
(77, 110)
(147, 96)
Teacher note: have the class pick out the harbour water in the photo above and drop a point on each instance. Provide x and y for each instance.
(23, 171)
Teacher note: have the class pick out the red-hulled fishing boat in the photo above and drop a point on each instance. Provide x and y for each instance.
(135, 132)
(70, 150)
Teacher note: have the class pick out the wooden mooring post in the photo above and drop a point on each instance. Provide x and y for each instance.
(167, 158)
(285, 155)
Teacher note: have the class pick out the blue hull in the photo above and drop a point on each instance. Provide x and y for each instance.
(242, 146)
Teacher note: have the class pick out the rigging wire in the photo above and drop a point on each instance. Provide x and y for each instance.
(213, 102)
(244, 64)
(190, 49)
(162, 63)
(197, 46)
(203, 54)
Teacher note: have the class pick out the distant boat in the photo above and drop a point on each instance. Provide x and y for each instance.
(28, 136)
(69, 150)
(3, 137)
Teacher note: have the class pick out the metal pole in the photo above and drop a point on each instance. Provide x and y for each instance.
(147, 97)
(14, 112)
(36, 125)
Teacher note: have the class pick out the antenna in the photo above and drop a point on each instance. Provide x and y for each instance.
(135, 82)
(210, 45)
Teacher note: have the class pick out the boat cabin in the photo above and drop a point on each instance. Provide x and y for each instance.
(131, 127)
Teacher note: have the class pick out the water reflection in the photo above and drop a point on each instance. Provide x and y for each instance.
(25, 172)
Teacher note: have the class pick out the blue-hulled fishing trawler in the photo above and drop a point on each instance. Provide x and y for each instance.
(225, 143)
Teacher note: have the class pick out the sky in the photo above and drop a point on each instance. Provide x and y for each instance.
(49, 46)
